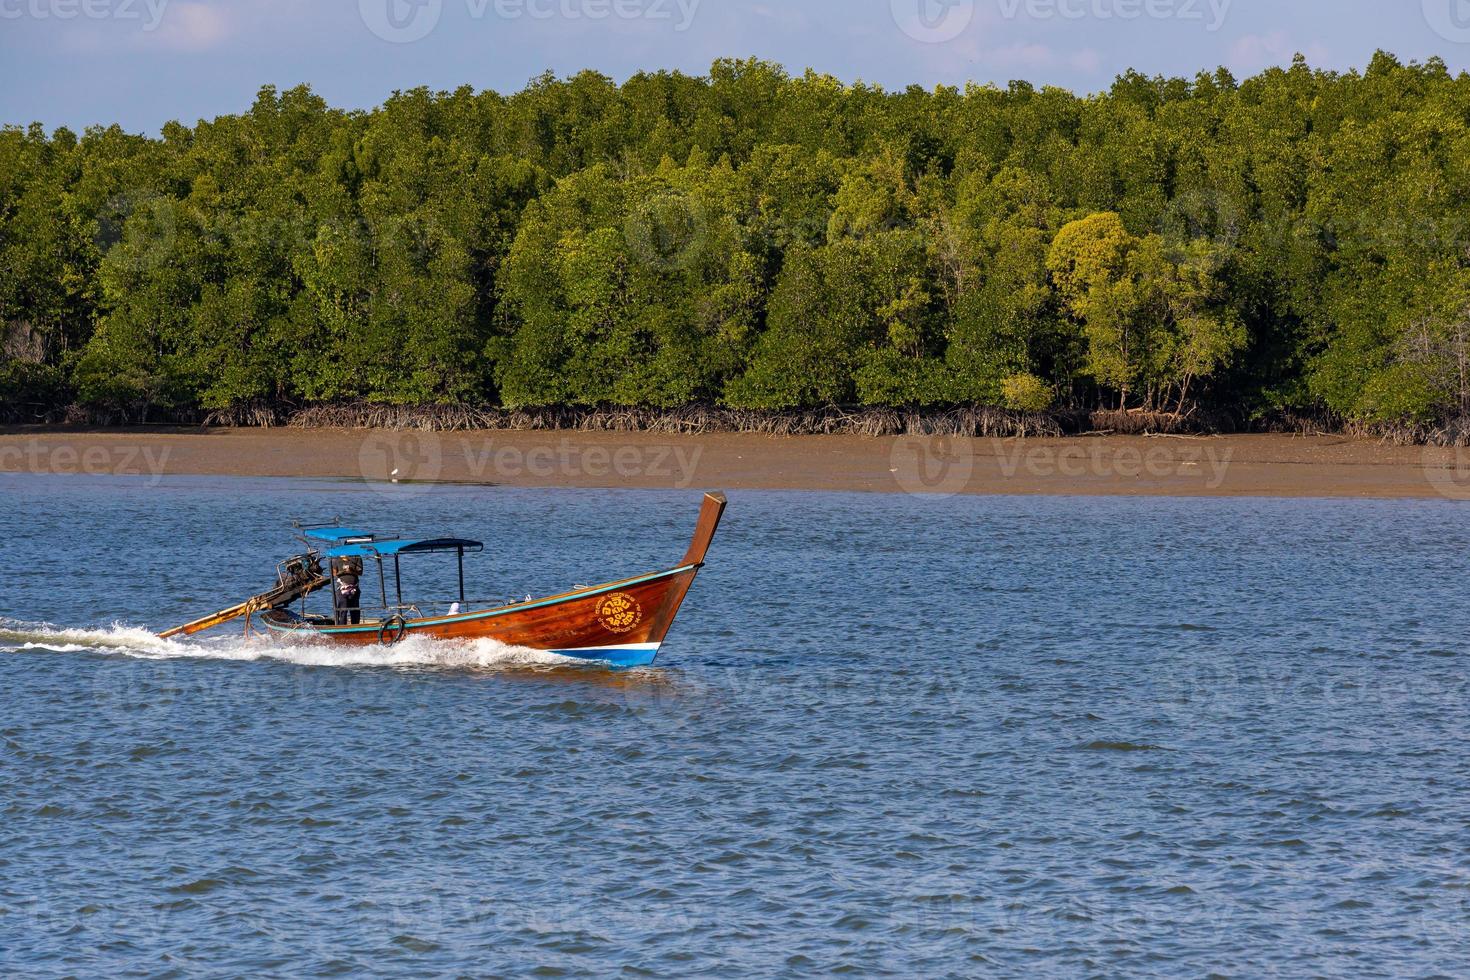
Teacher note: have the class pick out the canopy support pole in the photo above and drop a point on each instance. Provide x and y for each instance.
(460, 553)
(398, 581)
(383, 583)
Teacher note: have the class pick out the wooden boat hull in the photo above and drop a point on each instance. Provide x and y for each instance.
(620, 623)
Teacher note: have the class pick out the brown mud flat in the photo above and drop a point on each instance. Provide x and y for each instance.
(1222, 466)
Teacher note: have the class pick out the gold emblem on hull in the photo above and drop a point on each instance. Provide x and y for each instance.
(619, 613)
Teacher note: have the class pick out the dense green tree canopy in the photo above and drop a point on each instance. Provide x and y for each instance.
(1298, 241)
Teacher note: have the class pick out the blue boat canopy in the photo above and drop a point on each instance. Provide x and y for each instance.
(336, 534)
(424, 546)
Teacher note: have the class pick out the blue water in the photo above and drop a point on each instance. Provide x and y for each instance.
(997, 736)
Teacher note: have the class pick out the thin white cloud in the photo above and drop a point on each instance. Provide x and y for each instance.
(189, 26)
(1253, 52)
(1087, 60)
(1041, 56)
(1021, 55)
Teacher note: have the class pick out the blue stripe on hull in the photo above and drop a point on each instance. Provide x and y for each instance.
(632, 655)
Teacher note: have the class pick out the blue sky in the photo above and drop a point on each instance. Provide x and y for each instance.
(143, 62)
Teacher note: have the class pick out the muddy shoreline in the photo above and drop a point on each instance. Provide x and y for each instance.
(1234, 465)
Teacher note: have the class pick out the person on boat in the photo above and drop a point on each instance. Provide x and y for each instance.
(347, 597)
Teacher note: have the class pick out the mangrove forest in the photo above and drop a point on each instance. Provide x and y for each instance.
(1295, 245)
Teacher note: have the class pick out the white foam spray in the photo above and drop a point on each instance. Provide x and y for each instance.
(132, 641)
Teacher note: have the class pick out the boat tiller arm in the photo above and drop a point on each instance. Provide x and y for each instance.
(281, 595)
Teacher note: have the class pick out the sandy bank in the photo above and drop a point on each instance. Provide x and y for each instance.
(1249, 465)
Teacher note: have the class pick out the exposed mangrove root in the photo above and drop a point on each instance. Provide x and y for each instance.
(249, 415)
(1455, 432)
(1298, 424)
(1138, 422)
(966, 421)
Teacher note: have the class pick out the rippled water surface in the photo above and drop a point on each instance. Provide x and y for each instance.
(1015, 736)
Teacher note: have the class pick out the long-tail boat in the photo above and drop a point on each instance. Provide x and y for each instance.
(621, 623)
